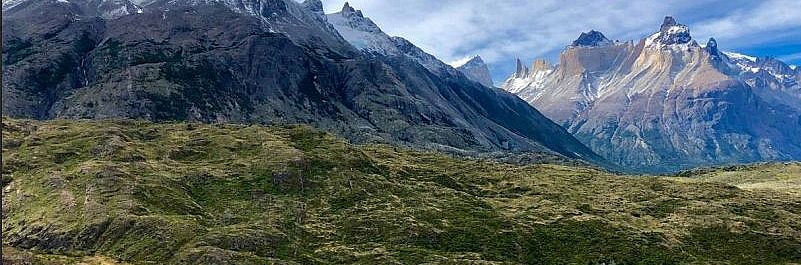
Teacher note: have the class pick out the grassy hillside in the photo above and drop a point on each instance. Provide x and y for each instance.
(784, 177)
(143, 193)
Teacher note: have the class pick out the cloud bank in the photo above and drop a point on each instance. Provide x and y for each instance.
(502, 30)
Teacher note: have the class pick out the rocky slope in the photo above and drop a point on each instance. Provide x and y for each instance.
(189, 193)
(666, 103)
(477, 70)
(265, 61)
(365, 35)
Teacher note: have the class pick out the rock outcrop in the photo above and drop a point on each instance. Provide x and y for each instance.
(591, 39)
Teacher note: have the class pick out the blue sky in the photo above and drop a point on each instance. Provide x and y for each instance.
(502, 30)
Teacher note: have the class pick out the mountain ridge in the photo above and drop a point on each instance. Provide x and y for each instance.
(266, 62)
(666, 103)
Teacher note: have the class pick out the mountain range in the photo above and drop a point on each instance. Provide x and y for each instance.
(661, 104)
(262, 61)
(666, 102)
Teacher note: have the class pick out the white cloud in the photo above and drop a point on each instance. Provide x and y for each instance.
(766, 22)
(791, 57)
(461, 62)
(500, 30)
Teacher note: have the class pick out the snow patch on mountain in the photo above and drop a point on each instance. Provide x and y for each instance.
(775, 68)
(740, 56)
(671, 35)
(8, 4)
(527, 83)
(364, 34)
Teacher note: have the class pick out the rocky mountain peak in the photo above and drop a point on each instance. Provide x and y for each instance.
(591, 39)
(712, 43)
(355, 27)
(671, 33)
(477, 70)
(522, 70)
(348, 10)
(712, 48)
(540, 65)
(668, 23)
(775, 66)
(474, 61)
(361, 32)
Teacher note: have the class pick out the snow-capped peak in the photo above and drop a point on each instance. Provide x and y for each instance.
(670, 33)
(769, 65)
(364, 34)
(361, 32)
(744, 62)
(794, 67)
(522, 70)
(108, 9)
(529, 78)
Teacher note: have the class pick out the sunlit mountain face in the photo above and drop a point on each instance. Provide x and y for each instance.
(666, 102)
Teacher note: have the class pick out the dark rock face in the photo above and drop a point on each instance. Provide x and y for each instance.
(522, 70)
(279, 63)
(591, 39)
(668, 23)
(712, 48)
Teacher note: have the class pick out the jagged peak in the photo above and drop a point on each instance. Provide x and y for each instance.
(712, 48)
(351, 20)
(475, 60)
(671, 33)
(592, 38)
(541, 64)
(668, 23)
(712, 43)
(522, 70)
(347, 9)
